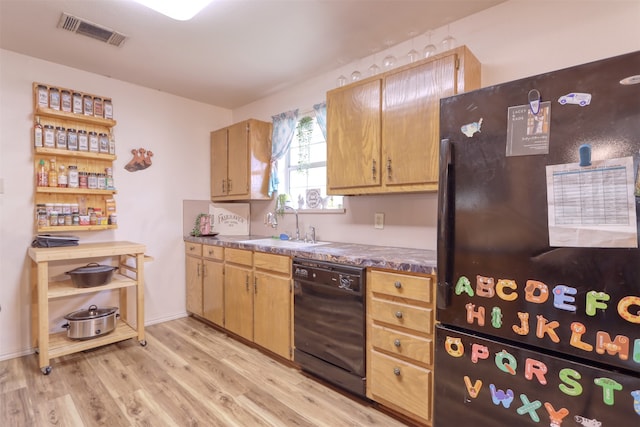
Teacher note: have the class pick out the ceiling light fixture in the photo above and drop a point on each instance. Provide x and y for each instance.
(180, 10)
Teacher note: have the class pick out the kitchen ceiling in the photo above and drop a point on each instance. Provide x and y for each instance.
(235, 51)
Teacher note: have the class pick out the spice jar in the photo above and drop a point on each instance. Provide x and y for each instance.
(53, 218)
(113, 219)
(72, 140)
(61, 137)
(103, 143)
(93, 181)
(73, 180)
(83, 179)
(65, 101)
(77, 103)
(93, 219)
(83, 140)
(49, 136)
(87, 105)
(93, 142)
(97, 107)
(108, 109)
(54, 98)
(43, 96)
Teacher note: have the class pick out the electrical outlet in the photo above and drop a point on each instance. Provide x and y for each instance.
(378, 220)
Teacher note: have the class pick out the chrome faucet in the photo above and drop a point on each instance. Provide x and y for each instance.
(312, 231)
(296, 213)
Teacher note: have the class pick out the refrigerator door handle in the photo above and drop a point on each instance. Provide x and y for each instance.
(445, 225)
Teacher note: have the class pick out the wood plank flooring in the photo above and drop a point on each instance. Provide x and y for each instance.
(189, 374)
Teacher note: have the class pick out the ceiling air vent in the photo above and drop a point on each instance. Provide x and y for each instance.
(89, 29)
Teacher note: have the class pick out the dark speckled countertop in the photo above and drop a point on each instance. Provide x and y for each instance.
(393, 258)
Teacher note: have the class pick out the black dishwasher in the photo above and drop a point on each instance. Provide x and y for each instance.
(329, 322)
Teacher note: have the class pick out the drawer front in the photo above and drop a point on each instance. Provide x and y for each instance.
(402, 384)
(402, 285)
(272, 262)
(416, 348)
(213, 252)
(194, 249)
(407, 316)
(239, 256)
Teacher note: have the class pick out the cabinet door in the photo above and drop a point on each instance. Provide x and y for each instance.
(238, 163)
(219, 163)
(411, 118)
(272, 313)
(194, 285)
(238, 300)
(353, 136)
(213, 292)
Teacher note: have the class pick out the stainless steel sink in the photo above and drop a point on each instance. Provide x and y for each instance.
(288, 244)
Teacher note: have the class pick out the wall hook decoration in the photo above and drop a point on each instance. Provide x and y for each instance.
(141, 160)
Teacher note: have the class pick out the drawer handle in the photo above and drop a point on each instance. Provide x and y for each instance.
(399, 314)
(396, 343)
(398, 284)
(396, 372)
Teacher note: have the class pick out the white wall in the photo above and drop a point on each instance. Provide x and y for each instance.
(513, 40)
(149, 202)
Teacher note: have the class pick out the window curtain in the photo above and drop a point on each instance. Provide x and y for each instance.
(321, 117)
(284, 126)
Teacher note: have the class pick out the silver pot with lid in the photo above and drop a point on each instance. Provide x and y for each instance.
(90, 323)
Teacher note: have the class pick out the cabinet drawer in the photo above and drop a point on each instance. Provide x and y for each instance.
(405, 385)
(417, 318)
(194, 249)
(239, 256)
(417, 348)
(271, 262)
(401, 285)
(213, 252)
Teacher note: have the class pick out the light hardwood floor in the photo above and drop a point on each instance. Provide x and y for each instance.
(189, 374)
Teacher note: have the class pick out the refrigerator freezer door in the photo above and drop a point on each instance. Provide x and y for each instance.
(497, 273)
(483, 383)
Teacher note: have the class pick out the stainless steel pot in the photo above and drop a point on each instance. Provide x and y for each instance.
(91, 323)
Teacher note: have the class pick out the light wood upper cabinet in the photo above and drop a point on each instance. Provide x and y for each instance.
(241, 161)
(353, 133)
(383, 132)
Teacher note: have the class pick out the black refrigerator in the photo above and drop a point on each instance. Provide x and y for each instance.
(538, 294)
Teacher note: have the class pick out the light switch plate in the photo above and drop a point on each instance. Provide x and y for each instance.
(378, 220)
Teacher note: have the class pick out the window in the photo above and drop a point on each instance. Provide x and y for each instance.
(302, 172)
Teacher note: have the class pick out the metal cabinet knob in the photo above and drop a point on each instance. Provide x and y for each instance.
(396, 343)
(399, 314)
(397, 284)
(396, 372)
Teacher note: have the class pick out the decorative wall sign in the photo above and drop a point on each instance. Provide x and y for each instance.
(141, 160)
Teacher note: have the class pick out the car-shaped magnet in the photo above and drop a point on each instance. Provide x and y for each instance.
(577, 98)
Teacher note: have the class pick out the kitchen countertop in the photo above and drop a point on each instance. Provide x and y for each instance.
(393, 258)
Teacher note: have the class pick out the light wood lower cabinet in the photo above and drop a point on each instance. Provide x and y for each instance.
(273, 303)
(238, 292)
(245, 292)
(204, 281)
(400, 328)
